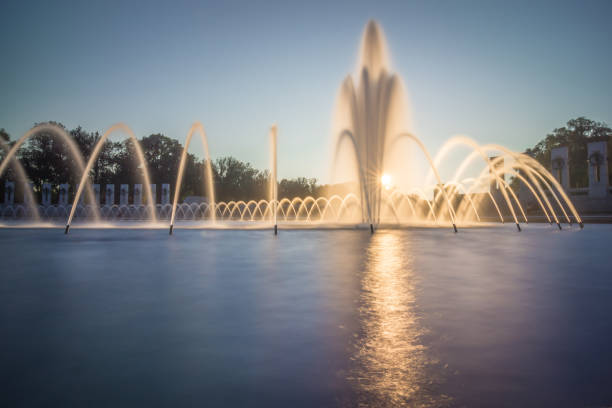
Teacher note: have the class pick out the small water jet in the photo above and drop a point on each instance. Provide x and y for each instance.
(273, 177)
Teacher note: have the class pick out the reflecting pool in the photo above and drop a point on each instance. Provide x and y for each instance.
(419, 317)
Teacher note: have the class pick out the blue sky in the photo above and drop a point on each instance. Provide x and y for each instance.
(502, 72)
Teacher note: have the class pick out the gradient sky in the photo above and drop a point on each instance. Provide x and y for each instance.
(501, 72)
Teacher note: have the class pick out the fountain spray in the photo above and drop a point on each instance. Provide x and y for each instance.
(273, 176)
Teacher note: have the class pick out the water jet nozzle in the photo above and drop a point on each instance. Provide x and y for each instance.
(518, 227)
(275, 229)
(559, 225)
(371, 228)
(581, 225)
(67, 228)
(455, 227)
(171, 228)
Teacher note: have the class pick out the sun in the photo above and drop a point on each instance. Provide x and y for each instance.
(386, 181)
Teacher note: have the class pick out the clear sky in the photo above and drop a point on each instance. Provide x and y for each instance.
(504, 72)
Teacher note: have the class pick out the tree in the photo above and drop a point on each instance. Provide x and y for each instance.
(4, 135)
(105, 164)
(575, 135)
(297, 187)
(236, 180)
(163, 157)
(47, 158)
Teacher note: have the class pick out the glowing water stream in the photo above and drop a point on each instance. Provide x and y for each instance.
(273, 177)
(208, 176)
(94, 156)
(73, 150)
(21, 176)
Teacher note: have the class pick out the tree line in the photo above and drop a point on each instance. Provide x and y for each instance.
(47, 159)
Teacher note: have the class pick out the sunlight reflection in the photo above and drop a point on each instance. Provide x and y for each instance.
(390, 361)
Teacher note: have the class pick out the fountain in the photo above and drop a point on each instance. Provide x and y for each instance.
(372, 155)
(370, 121)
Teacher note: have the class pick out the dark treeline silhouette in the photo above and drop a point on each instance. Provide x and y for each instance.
(47, 159)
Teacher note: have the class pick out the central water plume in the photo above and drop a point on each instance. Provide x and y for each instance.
(370, 110)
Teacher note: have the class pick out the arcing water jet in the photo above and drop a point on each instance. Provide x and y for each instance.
(94, 157)
(208, 176)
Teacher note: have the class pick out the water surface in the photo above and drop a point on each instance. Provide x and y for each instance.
(485, 317)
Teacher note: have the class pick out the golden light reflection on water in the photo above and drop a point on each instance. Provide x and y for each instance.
(389, 361)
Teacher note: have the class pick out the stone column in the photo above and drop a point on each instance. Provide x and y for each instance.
(124, 192)
(46, 195)
(110, 195)
(82, 196)
(63, 194)
(154, 193)
(559, 163)
(165, 194)
(137, 194)
(9, 193)
(96, 188)
(597, 153)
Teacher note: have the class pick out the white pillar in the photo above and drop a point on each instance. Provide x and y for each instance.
(137, 194)
(597, 153)
(46, 195)
(124, 192)
(9, 193)
(559, 161)
(81, 197)
(165, 194)
(154, 193)
(110, 195)
(96, 188)
(63, 194)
